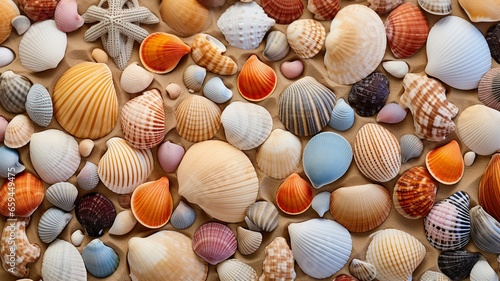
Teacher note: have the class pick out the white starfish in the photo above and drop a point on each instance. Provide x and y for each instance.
(118, 27)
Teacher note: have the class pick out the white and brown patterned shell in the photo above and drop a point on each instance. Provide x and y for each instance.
(207, 50)
(306, 37)
(198, 118)
(278, 253)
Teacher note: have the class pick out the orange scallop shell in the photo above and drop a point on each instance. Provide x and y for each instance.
(152, 204)
(489, 188)
(294, 195)
(445, 163)
(256, 80)
(283, 11)
(161, 52)
(8, 10)
(20, 195)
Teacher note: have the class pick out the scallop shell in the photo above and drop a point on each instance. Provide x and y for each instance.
(85, 147)
(411, 147)
(100, 260)
(236, 270)
(14, 89)
(305, 106)
(264, 215)
(355, 45)
(28, 195)
(43, 46)
(436, 7)
(135, 79)
(10, 162)
(447, 225)
(38, 10)
(362, 270)
(323, 9)
(21, 24)
(244, 25)
(152, 203)
(227, 190)
(88, 178)
(185, 17)
(39, 105)
(292, 69)
(278, 262)
(457, 265)
(62, 195)
(256, 80)
(214, 242)
(198, 118)
(370, 94)
(77, 238)
(9, 10)
(396, 68)
(207, 50)
(360, 208)
(122, 168)
(248, 241)
(277, 46)
(395, 254)
(283, 11)
(169, 156)
(430, 275)
(323, 152)
(86, 110)
(482, 271)
(123, 223)
(321, 203)
(216, 91)
(489, 187)
(421, 92)
(164, 255)
(54, 155)
(445, 163)
(481, 11)
(306, 37)
(488, 90)
(62, 261)
(391, 113)
(314, 236)
(19, 131)
(52, 223)
(477, 129)
(246, 125)
(448, 59)
(67, 17)
(383, 6)
(183, 216)
(294, 195)
(160, 52)
(193, 77)
(95, 212)
(492, 38)
(485, 230)
(342, 117)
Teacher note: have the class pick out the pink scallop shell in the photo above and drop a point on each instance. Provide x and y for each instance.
(169, 156)
(214, 242)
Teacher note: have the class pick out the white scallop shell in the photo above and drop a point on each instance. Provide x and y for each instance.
(19, 131)
(321, 203)
(124, 223)
(342, 117)
(411, 147)
(62, 261)
(236, 270)
(248, 240)
(482, 271)
(52, 223)
(396, 68)
(62, 195)
(479, 129)
(183, 216)
(193, 77)
(135, 78)
(88, 178)
(77, 237)
(6, 56)
(216, 91)
(362, 270)
(39, 105)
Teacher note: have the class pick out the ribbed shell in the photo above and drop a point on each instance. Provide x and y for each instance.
(411, 147)
(383, 6)
(276, 46)
(198, 118)
(62, 195)
(283, 11)
(216, 91)
(457, 265)
(236, 270)
(62, 261)
(256, 80)
(14, 89)
(185, 17)
(342, 117)
(160, 52)
(306, 37)
(207, 50)
(489, 187)
(214, 242)
(8, 11)
(370, 94)
(52, 223)
(430, 275)
(95, 212)
(482, 271)
(88, 177)
(152, 203)
(100, 259)
(478, 129)
(436, 7)
(492, 38)
(280, 154)
(183, 216)
(39, 105)
(19, 131)
(362, 270)
(193, 77)
(248, 241)
(28, 195)
(485, 230)
(323, 9)
(445, 163)
(278, 262)
(264, 215)
(488, 91)
(294, 195)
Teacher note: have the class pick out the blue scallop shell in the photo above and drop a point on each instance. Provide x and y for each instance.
(100, 260)
(342, 117)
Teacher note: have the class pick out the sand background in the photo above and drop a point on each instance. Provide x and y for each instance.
(79, 51)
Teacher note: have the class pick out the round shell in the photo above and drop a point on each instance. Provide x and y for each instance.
(169, 156)
(323, 9)
(283, 11)
(436, 7)
(276, 46)
(362, 270)
(216, 91)
(183, 216)
(135, 79)
(306, 37)
(370, 94)
(88, 178)
(294, 195)
(485, 230)
(278, 252)
(383, 6)
(411, 147)
(39, 105)
(52, 223)
(391, 113)
(477, 128)
(457, 265)
(8, 11)
(14, 89)
(445, 163)
(160, 52)
(492, 36)
(152, 204)
(214, 242)
(198, 118)
(29, 193)
(342, 117)
(481, 11)
(19, 131)
(62, 261)
(95, 212)
(67, 17)
(62, 195)
(38, 10)
(185, 17)
(256, 80)
(193, 77)
(123, 223)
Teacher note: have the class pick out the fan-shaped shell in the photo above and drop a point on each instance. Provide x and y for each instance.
(280, 154)
(256, 80)
(10, 162)
(183, 216)
(198, 118)
(223, 191)
(62, 195)
(123, 223)
(323, 9)
(248, 241)
(489, 187)
(492, 38)
(39, 105)
(481, 11)
(276, 46)
(383, 6)
(152, 203)
(214, 242)
(38, 10)
(477, 129)
(457, 265)
(169, 156)
(264, 215)
(362, 270)
(342, 117)
(485, 230)
(278, 252)
(135, 79)
(436, 7)
(62, 261)
(85, 102)
(186, 17)
(283, 11)
(52, 223)
(236, 270)
(19, 131)
(370, 94)
(294, 195)
(67, 17)
(100, 260)
(216, 91)
(207, 50)
(355, 45)
(160, 52)
(28, 195)
(88, 178)
(411, 147)
(9, 10)
(95, 212)
(306, 37)
(488, 90)
(445, 163)
(14, 89)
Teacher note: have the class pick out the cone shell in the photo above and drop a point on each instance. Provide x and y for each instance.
(294, 195)
(29, 193)
(276, 46)
(88, 178)
(85, 102)
(481, 11)
(21, 24)
(39, 105)
(278, 262)
(9, 10)
(207, 50)
(411, 147)
(256, 80)
(18, 132)
(236, 270)
(488, 91)
(135, 79)
(169, 156)
(370, 94)
(355, 45)
(383, 6)
(248, 241)
(280, 154)
(227, 190)
(198, 118)
(306, 37)
(193, 77)
(14, 89)
(362, 270)
(95, 212)
(445, 163)
(489, 187)
(152, 203)
(62, 261)
(283, 11)
(52, 223)
(183, 216)
(485, 230)
(436, 7)
(430, 275)
(67, 17)
(100, 260)
(323, 9)
(62, 195)
(214, 242)
(38, 10)
(457, 265)
(123, 223)
(10, 162)
(263, 215)
(342, 117)
(492, 38)
(160, 52)
(185, 17)
(477, 128)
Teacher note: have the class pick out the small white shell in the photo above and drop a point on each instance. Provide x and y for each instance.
(396, 68)
(362, 270)
(62, 195)
(216, 91)
(19, 131)
(248, 240)
(6, 56)
(236, 270)
(21, 24)
(52, 223)
(39, 105)
(135, 78)
(411, 147)
(183, 216)
(469, 158)
(482, 271)
(99, 55)
(62, 261)
(321, 203)
(193, 77)
(85, 147)
(124, 223)
(88, 178)
(77, 238)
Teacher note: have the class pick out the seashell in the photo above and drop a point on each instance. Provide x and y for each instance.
(216, 91)
(294, 195)
(492, 38)
(264, 215)
(391, 113)
(152, 203)
(198, 118)
(135, 79)
(54, 155)
(395, 254)
(207, 50)
(123, 223)
(256, 80)
(39, 105)
(85, 147)
(414, 193)
(184, 17)
(488, 90)
(371, 141)
(93, 110)
(52, 223)
(95, 212)
(99, 55)
(19, 131)
(342, 117)
(323, 236)
(283, 11)
(244, 25)
(38, 10)
(406, 19)
(434, 123)
(430, 275)
(100, 260)
(292, 69)
(355, 45)
(9, 10)
(322, 152)
(457, 265)
(362, 270)
(212, 3)
(276, 46)
(183, 216)
(10, 162)
(323, 9)
(449, 61)
(169, 156)
(67, 17)
(214, 242)
(360, 208)
(278, 262)
(88, 178)
(477, 129)
(28, 195)
(396, 68)
(489, 189)
(411, 147)
(122, 168)
(7, 56)
(173, 90)
(124, 200)
(447, 225)
(21, 24)
(305, 106)
(62, 195)
(248, 241)
(485, 230)
(77, 238)
(445, 163)
(345, 277)
(236, 270)
(436, 7)
(483, 11)
(14, 239)
(227, 189)
(251, 225)
(482, 271)
(62, 261)
(193, 77)
(246, 125)
(306, 37)
(384, 6)
(14, 89)
(3, 127)
(160, 52)
(321, 203)
(370, 94)
(43, 46)
(469, 158)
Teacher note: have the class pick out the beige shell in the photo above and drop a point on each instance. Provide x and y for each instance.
(124, 223)
(477, 128)
(383, 6)
(193, 77)
(248, 241)
(135, 78)
(362, 270)
(306, 37)
(481, 11)
(186, 17)
(207, 50)
(278, 253)
(236, 270)
(436, 7)
(62, 195)
(62, 261)
(198, 118)
(18, 132)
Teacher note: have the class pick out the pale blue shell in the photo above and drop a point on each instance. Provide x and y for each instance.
(100, 260)
(216, 91)
(183, 216)
(342, 117)
(10, 162)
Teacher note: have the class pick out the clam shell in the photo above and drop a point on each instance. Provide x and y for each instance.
(7, 56)
(9, 10)
(488, 90)
(21, 24)
(323, 236)
(485, 230)
(160, 52)
(39, 105)
(482, 271)
(14, 89)
(264, 215)
(482, 11)
(95, 212)
(323, 9)
(88, 177)
(123, 223)
(391, 113)
(246, 125)
(77, 238)
(355, 45)
(321, 203)
(135, 79)
(43, 46)
(370, 94)
(436, 7)
(207, 50)
(292, 69)
(193, 77)
(457, 265)
(492, 38)
(294, 195)
(277, 46)
(173, 90)
(67, 17)
(169, 156)
(256, 80)
(183, 216)
(198, 118)
(430, 275)
(278, 253)
(85, 147)
(10, 162)
(100, 260)
(214, 242)
(396, 68)
(360, 208)
(62, 195)
(306, 37)
(185, 17)
(227, 189)
(152, 203)
(19, 131)
(62, 261)
(322, 152)
(445, 163)
(248, 241)
(342, 117)
(489, 188)
(448, 59)
(283, 11)
(216, 91)
(362, 270)
(236, 270)
(411, 147)
(52, 223)
(383, 6)
(477, 129)
(28, 195)
(38, 10)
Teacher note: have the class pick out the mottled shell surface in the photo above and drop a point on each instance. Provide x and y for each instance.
(278, 262)
(485, 230)
(306, 37)
(185, 17)
(457, 265)
(38, 10)
(256, 80)
(362, 270)
(445, 163)
(323, 9)
(207, 50)
(198, 118)
(152, 204)
(95, 212)
(488, 90)
(39, 105)
(477, 128)
(214, 242)
(264, 215)
(62, 261)
(160, 52)
(481, 11)
(9, 10)
(489, 187)
(369, 95)
(14, 89)
(283, 11)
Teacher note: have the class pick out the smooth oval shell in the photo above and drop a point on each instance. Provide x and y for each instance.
(7, 56)
(183, 216)
(264, 215)
(62, 195)
(160, 52)
(88, 177)
(283, 11)
(10, 162)
(294, 195)
(100, 260)
(292, 69)
(216, 91)
(488, 90)
(323, 9)
(445, 163)
(39, 105)
(457, 265)
(277, 46)
(256, 80)
(28, 195)
(198, 118)
(152, 203)
(173, 90)
(14, 89)
(207, 50)
(52, 223)
(124, 222)
(481, 11)
(485, 230)
(278, 252)
(169, 156)
(214, 242)
(477, 129)
(248, 241)
(306, 37)
(391, 113)
(411, 147)
(62, 261)
(369, 95)
(396, 68)
(19, 131)
(184, 17)
(342, 117)
(95, 212)
(135, 79)
(362, 270)
(236, 270)
(193, 77)
(9, 10)
(67, 17)
(489, 187)
(436, 7)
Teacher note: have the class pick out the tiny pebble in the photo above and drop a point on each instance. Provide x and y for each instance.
(99, 55)
(469, 158)
(85, 147)
(292, 69)
(124, 201)
(173, 90)
(77, 237)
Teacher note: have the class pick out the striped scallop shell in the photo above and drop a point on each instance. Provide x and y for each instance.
(485, 230)
(88, 177)
(277, 46)
(248, 241)
(306, 37)
(411, 147)
(278, 253)
(207, 50)
(236, 270)
(28, 195)
(283, 11)
(152, 203)
(446, 163)
(186, 17)
(62, 261)
(124, 222)
(100, 260)
(256, 80)
(362, 270)
(52, 223)
(430, 275)
(383, 6)
(8, 11)
(14, 89)
(122, 168)
(62, 195)
(198, 118)
(342, 117)
(489, 187)
(280, 154)
(457, 265)
(183, 216)
(264, 215)
(323, 9)
(436, 7)
(18, 132)
(214, 242)
(294, 195)
(478, 129)
(95, 212)
(488, 91)
(39, 105)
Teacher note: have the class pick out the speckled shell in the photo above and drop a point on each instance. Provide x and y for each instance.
(306, 37)
(277, 46)
(488, 90)
(207, 50)
(52, 223)
(236, 270)
(482, 271)
(62, 195)
(477, 127)
(445, 163)
(214, 242)
(485, 230)
(489, 187)
(294, 195)
(362, 270)
(256, 80)
(39, 105)
(14, 89)
(29, 193)
(8, 11)
(383, 6)
(323, 9)
(481, 11)
(264, 215)
(100, 260)
(67, 17)
(95, 212)
(88, 177)
(123, 223)
(160, 52)
(19, 131)
(278, 253)
(183, 216)
(492, 38)
(135, 78)
(283, 11)
(62, 261)
(411, 147)
(185, 17)
(248, 241)
(38, 10)
(457, 265)
(369, 95)
(152, 203)
(342, 117)
(436, 7)
(198, 118)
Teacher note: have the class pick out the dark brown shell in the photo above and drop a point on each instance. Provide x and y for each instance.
(95, 212)
(369, 95)
(38, 10)
(493, 39)
(457, 265)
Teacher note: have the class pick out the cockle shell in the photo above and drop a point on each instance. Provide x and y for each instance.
(482, 271)
(436, 7)
(62, 261)
(7, 56)
(306, 37)
(183, 216)
(445, 163)
(173, 90)
(222, 191)
(135, 79)
(432, 112)
(355, 45)
(90, 109)
(62, 195)
(14, 233)
(214, 242)
(362, 270)
(246, 125)
(193, 77)
(67, 17)
(152, 203)
(342, 117)
(10, 162)
(26, 190)
(449, 61)
(323, 9)
(39, 105)
(160, 52)
(395, 254)
(95, 212)
(100, 260)
(411, 147)
(321, 247)
(186, 17)
(88, 178)
(216, 91)
(169, 156)
(292, 69)
(38, 10)
(256, 80)
(280, 154)
(489, 187)
(396, 68)
(9, 10)
(321, 203)
(492, 38)
(278, 262)
(244, 25)
(488, 90)
(276, 46)
(248, 241)
(264, 215)
(54, 155)
(369, 95)
(52, 223)
(294, 195)
(198, 118)
(283, 11)
(447, 225)
(477, 128)
(485, 230)
(457, 265)
(207, 50)
(123, 223)
(236, 270)
(481, 11)
(19, 131)
(14, 89)
(391, 113)
(430, 275)
(383, 6)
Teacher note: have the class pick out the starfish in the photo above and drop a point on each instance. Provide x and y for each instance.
(118, 27)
